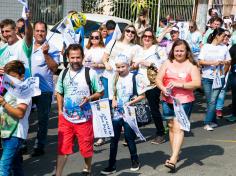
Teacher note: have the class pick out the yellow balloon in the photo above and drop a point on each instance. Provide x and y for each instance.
(77, 19)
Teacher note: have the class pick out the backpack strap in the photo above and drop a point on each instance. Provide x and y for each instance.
(135, 92)
(88, 81)
(62, 79)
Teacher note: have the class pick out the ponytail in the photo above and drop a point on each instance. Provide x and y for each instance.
(212, 36)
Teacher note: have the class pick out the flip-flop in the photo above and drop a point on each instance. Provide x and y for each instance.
(99, 143)
(171, 166)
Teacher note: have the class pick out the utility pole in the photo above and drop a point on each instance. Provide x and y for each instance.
(201, 19)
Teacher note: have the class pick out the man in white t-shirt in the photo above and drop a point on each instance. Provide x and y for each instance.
(15, 48)
(74, 92)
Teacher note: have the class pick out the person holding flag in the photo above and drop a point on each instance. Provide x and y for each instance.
(45, 61)
(14, 113)
(15, 48)
(175, 81)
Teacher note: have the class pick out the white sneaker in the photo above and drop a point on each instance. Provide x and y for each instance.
(213, 125)
(208, 128)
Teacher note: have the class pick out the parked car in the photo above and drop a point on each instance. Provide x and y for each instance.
(93, 22)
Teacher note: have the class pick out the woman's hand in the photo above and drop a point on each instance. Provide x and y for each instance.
(114, 103)
(108, 67)
(173, 84)
(145, 63)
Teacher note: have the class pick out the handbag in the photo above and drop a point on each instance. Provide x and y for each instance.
(142, 109)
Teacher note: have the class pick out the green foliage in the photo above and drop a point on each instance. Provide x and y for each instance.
(138, 5)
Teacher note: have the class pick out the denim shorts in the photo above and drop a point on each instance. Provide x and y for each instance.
(169, 113)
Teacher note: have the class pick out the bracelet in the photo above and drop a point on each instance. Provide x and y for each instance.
(4, 104)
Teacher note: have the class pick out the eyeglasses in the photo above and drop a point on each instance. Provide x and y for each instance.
(128, 31)
(94, 37)
(148, 36)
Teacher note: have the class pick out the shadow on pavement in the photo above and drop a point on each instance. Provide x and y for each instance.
(153, 160)
(204, 151)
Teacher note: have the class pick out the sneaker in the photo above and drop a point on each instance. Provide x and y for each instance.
(231, 118)
(158, 140)
(37, 152)
(108, 171)
(219, 114)
(208, 128)
(135, 166)
(213, 125)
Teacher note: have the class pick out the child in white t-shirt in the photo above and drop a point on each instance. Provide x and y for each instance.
(14, 126)
(123, 91)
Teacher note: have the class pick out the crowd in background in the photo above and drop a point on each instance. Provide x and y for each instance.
(139, 66)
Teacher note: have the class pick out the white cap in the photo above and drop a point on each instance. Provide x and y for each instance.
(121, 58)
(175, 28)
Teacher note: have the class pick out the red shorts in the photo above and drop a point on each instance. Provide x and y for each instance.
(67, 132)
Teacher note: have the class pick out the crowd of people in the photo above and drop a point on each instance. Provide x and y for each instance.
(138, 66)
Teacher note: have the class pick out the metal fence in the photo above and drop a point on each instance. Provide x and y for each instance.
(182, 9)
(49, 11)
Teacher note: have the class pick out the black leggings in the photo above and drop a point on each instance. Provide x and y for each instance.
(153, 97)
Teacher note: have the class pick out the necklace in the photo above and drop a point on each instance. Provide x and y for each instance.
(72, 78)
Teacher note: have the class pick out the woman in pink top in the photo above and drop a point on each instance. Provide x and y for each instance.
(177, 77)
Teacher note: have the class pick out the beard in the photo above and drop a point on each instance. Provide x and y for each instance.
(76, 66)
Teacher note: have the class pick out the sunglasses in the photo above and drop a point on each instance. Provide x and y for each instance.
(128, 31)
(191, 27)
(148, 36)
(94, 37)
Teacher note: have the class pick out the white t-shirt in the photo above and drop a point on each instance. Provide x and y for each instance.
(155, 55)
(124, 87)
(194, 39)
(211, 52)
(75, 88)
(17, 51)
(22, 127)
(94, 55)
(113, 51)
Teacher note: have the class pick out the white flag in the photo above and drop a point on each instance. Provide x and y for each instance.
(25, 8)
(130, 118)
(181, 115)
(22, 89)
(217, 80)
(102, 124)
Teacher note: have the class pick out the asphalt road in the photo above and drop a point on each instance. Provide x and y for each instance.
(203, 153)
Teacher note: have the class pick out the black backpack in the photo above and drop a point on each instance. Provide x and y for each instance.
(87, 78)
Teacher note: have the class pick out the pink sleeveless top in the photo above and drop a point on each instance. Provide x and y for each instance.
(183, 95)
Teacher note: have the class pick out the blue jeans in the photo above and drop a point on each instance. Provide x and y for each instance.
(233, 76)
(221, 97)
(211, 97)
(11, 158)
(169, 113)
(130, 139)
(105, 85)
(43, 104)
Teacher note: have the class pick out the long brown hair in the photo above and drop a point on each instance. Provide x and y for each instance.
(100, 44)
(189, 54)
(134, 40)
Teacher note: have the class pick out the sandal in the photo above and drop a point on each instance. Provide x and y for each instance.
(100, 142)
(86, 172)
(171, 166)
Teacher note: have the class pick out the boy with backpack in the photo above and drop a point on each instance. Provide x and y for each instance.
(123, 96)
